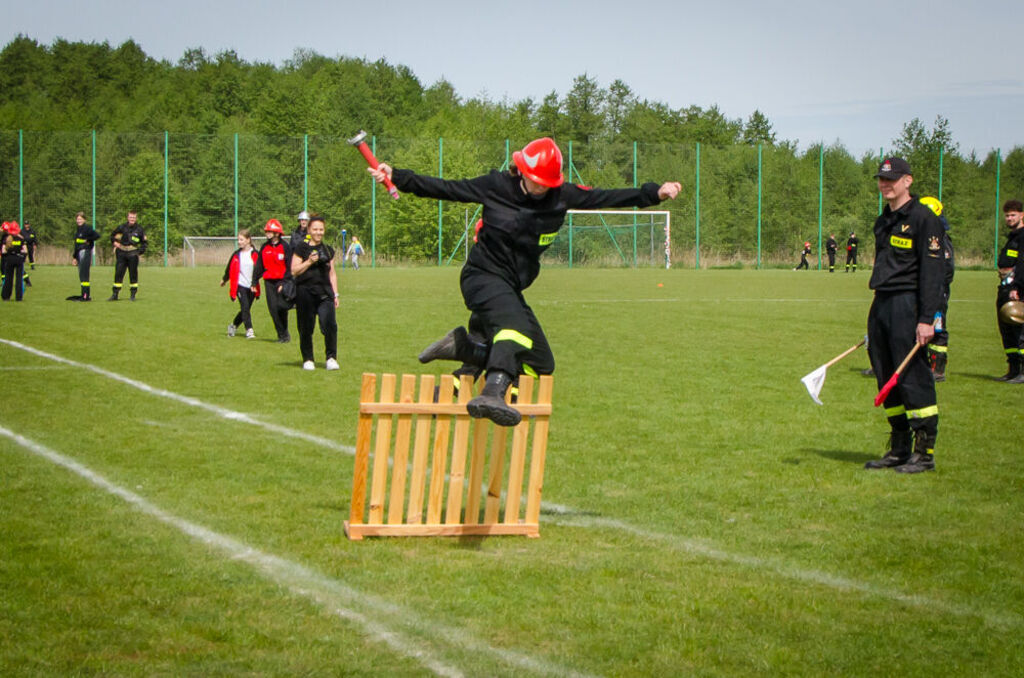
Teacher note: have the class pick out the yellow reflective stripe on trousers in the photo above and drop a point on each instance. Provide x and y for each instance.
(924, 412)
(530, 372)
(512, 335)
(1012, 351)
(895, 411)
(938, 349)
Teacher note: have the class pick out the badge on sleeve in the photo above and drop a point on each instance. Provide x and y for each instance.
(933, 244)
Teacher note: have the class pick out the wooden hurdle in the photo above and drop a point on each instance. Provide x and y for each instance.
(428, 426)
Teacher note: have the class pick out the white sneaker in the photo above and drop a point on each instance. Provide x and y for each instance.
(332, 364)
(308, 365)
(249, 334)
(231, 330)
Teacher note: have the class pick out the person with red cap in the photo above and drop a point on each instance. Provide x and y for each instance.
(13, 250)
(523, 209)
(272, 266)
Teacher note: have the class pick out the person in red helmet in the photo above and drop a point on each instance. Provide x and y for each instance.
(272, 266)
(523, 208)
(13, 250)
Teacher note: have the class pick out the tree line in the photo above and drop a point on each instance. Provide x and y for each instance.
(216, 141)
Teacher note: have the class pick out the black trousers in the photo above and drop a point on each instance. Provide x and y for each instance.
(803, 262)
(499, 313)
(126, 261)
(1012, 335)
(13, 268)
(892, 333)
(851, 258)
(277, 306)
(84, 267)
(309, 307)
(244, 315)
(831, 260)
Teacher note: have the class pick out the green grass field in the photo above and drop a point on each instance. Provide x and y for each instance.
(702, 515)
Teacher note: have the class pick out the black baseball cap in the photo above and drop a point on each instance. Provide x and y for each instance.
(893, 168)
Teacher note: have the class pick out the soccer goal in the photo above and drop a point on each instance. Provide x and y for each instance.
(614, 238)
(201, 250)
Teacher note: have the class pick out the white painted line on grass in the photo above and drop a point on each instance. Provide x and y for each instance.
(335, 596)
(574, 517)
(29, 368)
(186, 400)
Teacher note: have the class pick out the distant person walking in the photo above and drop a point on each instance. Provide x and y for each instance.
(355, 250)
(243, 285)
(803, 256)
(272, 266)
(830, 248)
(851, 252)
(316, 284)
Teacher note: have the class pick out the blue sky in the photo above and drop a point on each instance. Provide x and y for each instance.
(852, 73)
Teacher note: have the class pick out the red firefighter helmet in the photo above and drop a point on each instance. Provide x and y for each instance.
(540, 161)
(273, 226)
(12, 227)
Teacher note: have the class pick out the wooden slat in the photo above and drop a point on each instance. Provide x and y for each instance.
(442, 530)
(476, 470)
(517, 462)
(457, 479)
(440, 459)
(538, 455)
(399, 467)
(492, 506)
(439, 409)
(363, 434)
(421, 450)
(381, 452)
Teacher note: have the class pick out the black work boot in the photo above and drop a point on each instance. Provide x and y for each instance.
(938, 362)
(490, 404)
(897, 454)
(113, 296)
(456, 345)
(1012, 368)
(923, 458)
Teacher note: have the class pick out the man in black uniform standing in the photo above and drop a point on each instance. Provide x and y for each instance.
(523, 208)
(1011, 288)
(129, 241)
(851, 251)
(830, 247)
(908, 282)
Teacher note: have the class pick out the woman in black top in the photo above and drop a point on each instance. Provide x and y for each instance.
(81, 252)
(316, 285)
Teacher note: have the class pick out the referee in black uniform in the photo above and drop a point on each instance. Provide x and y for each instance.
(908, 282)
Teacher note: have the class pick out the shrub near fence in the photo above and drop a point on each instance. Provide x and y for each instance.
(746, 205)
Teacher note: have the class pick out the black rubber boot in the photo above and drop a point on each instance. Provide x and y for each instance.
(897, 454)
(113, 296)
(938, 362)
(456, 345)
(1012, 368)
(490, 404)
(923, 458)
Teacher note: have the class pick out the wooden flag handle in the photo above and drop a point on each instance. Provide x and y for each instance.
(884, 393)
(845, 353)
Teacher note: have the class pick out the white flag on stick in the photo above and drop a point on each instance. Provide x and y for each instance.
(816, 379)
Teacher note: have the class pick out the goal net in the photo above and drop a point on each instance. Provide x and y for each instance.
(207, 250)
(611, 238)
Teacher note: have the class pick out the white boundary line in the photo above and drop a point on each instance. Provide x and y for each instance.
(573, 517)
(335, 596)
